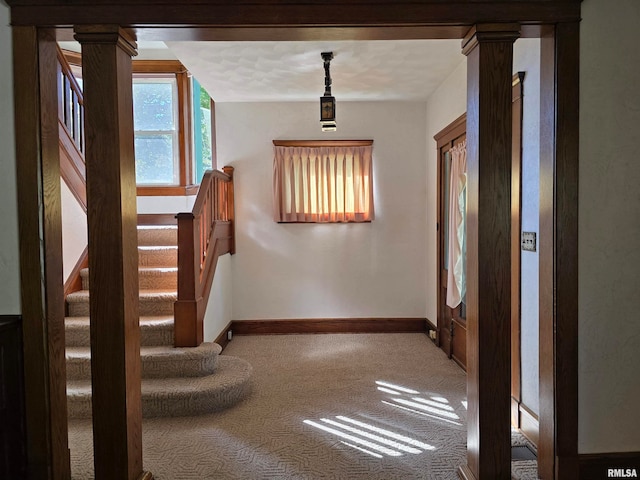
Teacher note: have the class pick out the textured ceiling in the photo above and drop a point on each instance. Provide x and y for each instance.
(293, 71)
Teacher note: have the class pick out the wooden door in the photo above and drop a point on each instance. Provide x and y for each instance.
(452, 324)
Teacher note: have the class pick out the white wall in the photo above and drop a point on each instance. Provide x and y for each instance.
(447, 103)
(165, 204)
(609, 228)
(327, 270)
(74, 230)
(219, 307)
(9, 253)
(526, 58)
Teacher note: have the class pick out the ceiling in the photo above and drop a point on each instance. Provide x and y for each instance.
(293, 71)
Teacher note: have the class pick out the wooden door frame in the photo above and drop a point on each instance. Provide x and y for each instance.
(443, 138)
(274, 20)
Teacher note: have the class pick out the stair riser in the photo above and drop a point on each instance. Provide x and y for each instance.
(149, 337)
(148, 280)
(80, 368)
(148, 307)
(157, 236)
(232, 385)
(158, 257)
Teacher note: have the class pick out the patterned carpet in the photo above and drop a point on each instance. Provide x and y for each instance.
(379, 406)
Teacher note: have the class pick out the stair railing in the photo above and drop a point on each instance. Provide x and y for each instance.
(71, 131)
(204, 234)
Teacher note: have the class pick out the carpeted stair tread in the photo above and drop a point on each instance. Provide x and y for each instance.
(173, 397)
(158, 235)
(158, 256)
(148, 278)
(157, 362)
(154, 331)
(152, 302)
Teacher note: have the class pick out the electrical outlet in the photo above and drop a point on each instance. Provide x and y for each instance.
(528, 242)
(229, 335)
(432, 334)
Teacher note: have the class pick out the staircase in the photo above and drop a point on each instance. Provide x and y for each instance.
(175, 381)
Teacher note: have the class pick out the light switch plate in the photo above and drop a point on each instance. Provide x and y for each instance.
(528, 241)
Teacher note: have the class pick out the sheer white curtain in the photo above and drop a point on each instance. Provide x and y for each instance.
(322, 184)
(456, 281)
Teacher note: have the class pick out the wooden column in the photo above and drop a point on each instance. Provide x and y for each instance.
(113, 253)
(559, 122)
(489, 51)
(40, 231)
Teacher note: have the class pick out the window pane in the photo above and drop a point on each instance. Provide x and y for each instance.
(154, 159)
(153, 106)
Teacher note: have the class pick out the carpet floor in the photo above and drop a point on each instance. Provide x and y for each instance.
(343, 406)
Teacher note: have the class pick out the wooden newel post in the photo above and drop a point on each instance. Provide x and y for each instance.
(186, 308)
(489, 51)
(113, 251)
(231, 209)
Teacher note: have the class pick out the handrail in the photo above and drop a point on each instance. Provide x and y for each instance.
(204, 234)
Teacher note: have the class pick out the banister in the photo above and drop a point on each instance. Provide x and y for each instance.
(204, 234)
(71, 102)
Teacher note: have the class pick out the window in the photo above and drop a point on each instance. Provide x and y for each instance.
(174, 124)
(155, 124)
(323, 182)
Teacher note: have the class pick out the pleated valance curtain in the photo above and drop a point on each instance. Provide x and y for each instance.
(323, 184)
(456, 281)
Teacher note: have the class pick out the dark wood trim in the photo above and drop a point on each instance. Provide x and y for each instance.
(157, 219)
(452, 131)
(558, 255)
(328, 325)
(223, 338)
(489, 51)
(35, 66)
(74, 282)
(13, 438)
(277, 14)
(168, 191)
(322, 143)
(595, 466)
(113, 251)
(516, 222)
(157, 66)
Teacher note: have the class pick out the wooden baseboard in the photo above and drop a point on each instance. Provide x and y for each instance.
(525, 420)
(223, 338)
(465, 473)
(609, 465)
(529, 425)
(74, 282)
(329, 325)
(157, 219)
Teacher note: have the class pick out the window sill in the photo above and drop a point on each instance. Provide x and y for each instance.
(167, 191)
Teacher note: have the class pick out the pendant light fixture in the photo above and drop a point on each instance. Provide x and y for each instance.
(327, 102)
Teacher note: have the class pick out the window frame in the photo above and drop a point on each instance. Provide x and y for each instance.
(325, 144)
(186, 185)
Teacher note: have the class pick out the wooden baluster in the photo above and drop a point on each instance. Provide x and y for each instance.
(230, 208)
